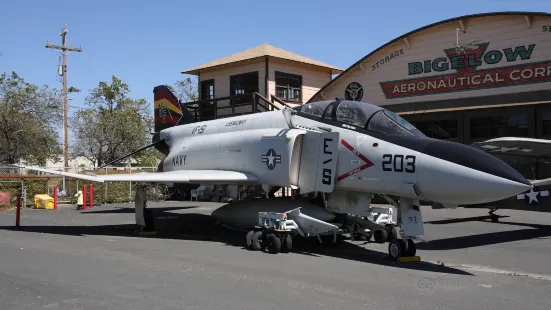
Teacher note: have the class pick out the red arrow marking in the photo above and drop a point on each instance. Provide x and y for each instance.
(367, 164)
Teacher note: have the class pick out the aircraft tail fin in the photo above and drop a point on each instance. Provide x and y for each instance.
(168, 109)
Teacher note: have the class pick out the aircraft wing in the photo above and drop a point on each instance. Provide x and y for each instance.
(180, 176)
(537, 148)
(526, 147)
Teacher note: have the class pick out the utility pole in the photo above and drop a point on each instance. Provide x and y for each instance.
(64, 48)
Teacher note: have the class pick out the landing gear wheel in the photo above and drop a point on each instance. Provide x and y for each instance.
(380, 236)
(273, 243)
(368, 235)
(412, 248)
(396, 249)
(256, 241)
(391, 232)
(286, 243)
(249, 238)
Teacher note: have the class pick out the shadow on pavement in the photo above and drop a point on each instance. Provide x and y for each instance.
(201, 227)
(532, 231)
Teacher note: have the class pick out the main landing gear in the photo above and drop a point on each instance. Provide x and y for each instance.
(144, 217)
(493, 217)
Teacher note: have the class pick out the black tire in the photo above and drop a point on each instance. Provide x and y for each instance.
(380, 235)
(368, 236)
(391, 232)
(256, 241)
(249, 239)
(396, 249)
(412, 248)
(273, 243)
(286, 243)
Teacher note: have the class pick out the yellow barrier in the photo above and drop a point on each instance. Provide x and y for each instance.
(43, 201)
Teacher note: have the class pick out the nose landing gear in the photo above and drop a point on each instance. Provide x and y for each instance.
(411, 225)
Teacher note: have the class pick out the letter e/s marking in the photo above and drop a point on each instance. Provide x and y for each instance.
(326, 177)
(325, 146)
(327, 173)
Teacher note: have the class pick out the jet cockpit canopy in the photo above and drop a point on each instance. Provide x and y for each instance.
(361, 114)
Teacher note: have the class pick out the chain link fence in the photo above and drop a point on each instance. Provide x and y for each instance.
(31, 183)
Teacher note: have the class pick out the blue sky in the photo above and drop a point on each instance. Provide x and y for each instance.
(147, 44)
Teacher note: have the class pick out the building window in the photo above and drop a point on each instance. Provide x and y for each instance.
(499, 126)
(288, 86)
(241, 84)
(438, 129)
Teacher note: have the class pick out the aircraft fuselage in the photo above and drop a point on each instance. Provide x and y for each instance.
(367, 162)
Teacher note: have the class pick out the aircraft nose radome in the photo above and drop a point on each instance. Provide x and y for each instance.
(474, 158)
(468, 175)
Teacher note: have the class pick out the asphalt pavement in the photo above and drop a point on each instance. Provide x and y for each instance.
(69, 259)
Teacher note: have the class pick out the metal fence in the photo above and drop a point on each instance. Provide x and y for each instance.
(30, 183)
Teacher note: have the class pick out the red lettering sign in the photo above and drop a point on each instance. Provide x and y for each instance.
(464, 60)
(514, 75)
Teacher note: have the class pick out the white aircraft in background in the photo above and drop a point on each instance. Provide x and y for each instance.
(345, 151)
(535, 151)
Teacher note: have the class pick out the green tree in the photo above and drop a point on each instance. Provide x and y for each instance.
(112, 125)
(148, 158)
(30, 116)
(186, 90)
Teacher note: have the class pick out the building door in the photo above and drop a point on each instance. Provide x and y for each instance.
(207, 108)
(240, 84)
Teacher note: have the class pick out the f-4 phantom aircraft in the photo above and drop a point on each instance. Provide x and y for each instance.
(346, 151)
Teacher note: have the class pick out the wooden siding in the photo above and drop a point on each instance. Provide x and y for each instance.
(222, 77)
(313, 79)
(500, 31)
(222, 82)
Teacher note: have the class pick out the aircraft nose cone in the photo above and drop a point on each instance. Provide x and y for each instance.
(474, 158)
(470, 175)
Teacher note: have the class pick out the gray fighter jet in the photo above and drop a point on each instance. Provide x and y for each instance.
(344, 151)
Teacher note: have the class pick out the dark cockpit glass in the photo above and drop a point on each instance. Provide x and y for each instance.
(358, 113)
(315, 109)
(351, 113)
(391, 124)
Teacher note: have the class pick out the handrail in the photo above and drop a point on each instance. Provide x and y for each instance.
(270, 104)
(283, 103)
(209, 108)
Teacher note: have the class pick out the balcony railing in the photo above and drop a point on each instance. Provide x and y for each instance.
(229, 106)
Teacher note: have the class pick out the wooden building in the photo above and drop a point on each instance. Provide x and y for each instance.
(255, 79)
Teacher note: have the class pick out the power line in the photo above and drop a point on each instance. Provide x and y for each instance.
(63, 72)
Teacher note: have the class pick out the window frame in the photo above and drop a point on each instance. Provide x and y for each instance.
(286, 75)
